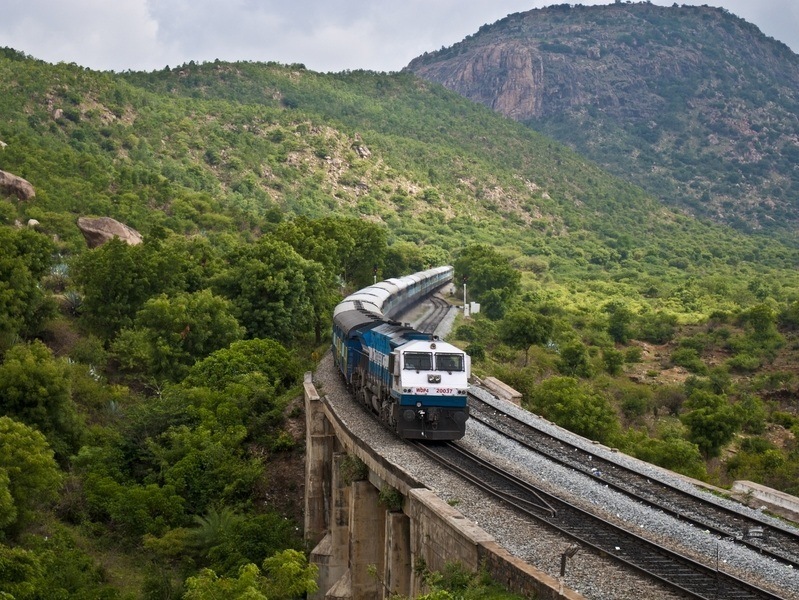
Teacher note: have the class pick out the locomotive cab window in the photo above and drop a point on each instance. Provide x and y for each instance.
(418, 361)
(449, 362)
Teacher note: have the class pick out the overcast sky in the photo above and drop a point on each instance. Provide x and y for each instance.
(324, 35)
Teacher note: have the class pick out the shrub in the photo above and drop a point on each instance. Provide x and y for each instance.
(352, 469)
(689, 358)
(390, 497)
(633, 354)
(476, 351)
(743, 363)
(576, 407)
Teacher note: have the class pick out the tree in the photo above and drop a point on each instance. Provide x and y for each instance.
(207, 464)
(209, 586)
(670, 452)
(574, 360)
(752, 414)
(761, 321)
(170, 334)
(613, 360)
(576, 407)
(349, 248)
(230, 365)
(522, 328)
(8, 509)
(286, 576)
(289, 575)
(24, 259)
(711, 421)
(619, 319)
(403, 258)
(28, 473)
(656, 327)
(253, 539)
(116, 280)
(489, 275)
(35, 389)
(134, 510)
(20, 571)
(276, 293)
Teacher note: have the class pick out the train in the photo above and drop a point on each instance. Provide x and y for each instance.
(414, 382)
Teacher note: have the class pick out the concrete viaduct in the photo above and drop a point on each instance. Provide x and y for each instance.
(372, 526)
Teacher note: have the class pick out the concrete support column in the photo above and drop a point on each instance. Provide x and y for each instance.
(331, 555)
(397, 564)
(319, 444)
(367, 530)
(339, 521)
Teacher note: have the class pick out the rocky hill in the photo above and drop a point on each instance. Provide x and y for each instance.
(692, 103)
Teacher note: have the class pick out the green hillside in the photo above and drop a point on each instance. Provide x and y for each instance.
(154, 387)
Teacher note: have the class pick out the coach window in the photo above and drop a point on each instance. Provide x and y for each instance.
(419, 361)
(449, 362)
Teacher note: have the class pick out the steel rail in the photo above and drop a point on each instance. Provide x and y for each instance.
(779, 544)
(653, 560)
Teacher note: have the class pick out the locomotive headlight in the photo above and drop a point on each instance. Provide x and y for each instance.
(433, 378)
(418, 405)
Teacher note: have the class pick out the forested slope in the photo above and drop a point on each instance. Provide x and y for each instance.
(152, 388)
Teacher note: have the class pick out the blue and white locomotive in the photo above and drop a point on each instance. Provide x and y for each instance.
(413, 381)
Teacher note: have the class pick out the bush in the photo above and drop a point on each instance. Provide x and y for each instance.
(476, 351)
(743, 363)
(633, 354)
(576, 407)
(657, 328)
(672, 452)
(636, 405)
(689, 358)
(613, 360)
(786, 420)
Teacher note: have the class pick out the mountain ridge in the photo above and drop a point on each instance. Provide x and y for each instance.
(692, 103)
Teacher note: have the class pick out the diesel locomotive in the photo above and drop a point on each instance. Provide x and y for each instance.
(415, 383)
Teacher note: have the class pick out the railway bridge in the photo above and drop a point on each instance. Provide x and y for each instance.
(373, 527)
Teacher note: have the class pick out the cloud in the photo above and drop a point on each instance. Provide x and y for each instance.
(102, 35)
(325, 35)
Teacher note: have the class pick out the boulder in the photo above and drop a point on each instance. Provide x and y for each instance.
(102, 229)
(11, 184)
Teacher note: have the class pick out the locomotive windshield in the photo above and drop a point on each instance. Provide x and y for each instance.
(419, 361)
(449, 362)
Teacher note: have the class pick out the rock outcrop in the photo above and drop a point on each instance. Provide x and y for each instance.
(102, 229)
(507, 76)
(11, 184)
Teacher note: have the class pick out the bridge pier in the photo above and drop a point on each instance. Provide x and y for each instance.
(397, 566)
(320, 442)
(367, 532)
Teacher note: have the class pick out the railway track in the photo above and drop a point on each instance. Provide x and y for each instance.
(430, 322)
(779, 544)
(683, 574)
